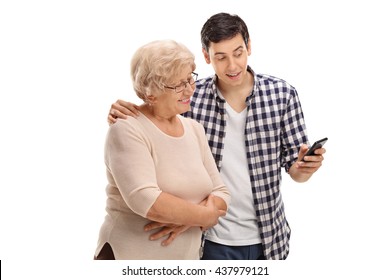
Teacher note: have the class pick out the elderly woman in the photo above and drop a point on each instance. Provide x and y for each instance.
(159, 166)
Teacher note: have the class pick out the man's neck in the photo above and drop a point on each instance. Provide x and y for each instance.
(236, 96)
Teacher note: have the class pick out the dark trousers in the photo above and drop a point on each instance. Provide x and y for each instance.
(215, 251)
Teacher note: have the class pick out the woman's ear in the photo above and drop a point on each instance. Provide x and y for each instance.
(151, 100)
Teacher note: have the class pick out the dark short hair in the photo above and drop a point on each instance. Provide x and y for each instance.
(223, 26)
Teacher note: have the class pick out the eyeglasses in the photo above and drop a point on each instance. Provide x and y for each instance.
(180, 88)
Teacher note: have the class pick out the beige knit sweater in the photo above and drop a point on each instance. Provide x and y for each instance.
(142, 162)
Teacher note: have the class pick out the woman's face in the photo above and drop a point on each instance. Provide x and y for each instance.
(175, 99)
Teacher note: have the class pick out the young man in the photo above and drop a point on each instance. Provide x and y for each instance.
(255, 127)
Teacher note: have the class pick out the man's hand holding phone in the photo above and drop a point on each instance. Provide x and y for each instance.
(317, 145)
(309, 161)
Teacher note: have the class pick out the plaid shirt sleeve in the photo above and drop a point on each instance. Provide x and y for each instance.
(275, 130)
(293, 130)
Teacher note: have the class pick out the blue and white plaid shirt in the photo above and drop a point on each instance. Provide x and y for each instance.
(274, 131)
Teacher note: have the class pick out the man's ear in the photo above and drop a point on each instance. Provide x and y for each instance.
(206, 56)
(249, 48)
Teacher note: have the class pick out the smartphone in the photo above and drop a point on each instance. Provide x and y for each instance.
(315, 146)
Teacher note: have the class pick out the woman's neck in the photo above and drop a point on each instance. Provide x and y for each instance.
(167, 123)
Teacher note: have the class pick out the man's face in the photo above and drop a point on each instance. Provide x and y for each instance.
(229, 59)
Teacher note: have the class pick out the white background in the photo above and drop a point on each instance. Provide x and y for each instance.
(63, 63)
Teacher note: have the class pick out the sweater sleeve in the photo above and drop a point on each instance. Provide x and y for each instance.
(219, 188)
(129, 160)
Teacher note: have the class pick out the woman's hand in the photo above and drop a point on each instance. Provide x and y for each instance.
(170, 230)
(211, 214)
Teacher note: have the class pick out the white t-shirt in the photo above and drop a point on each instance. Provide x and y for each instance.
(239, 226)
